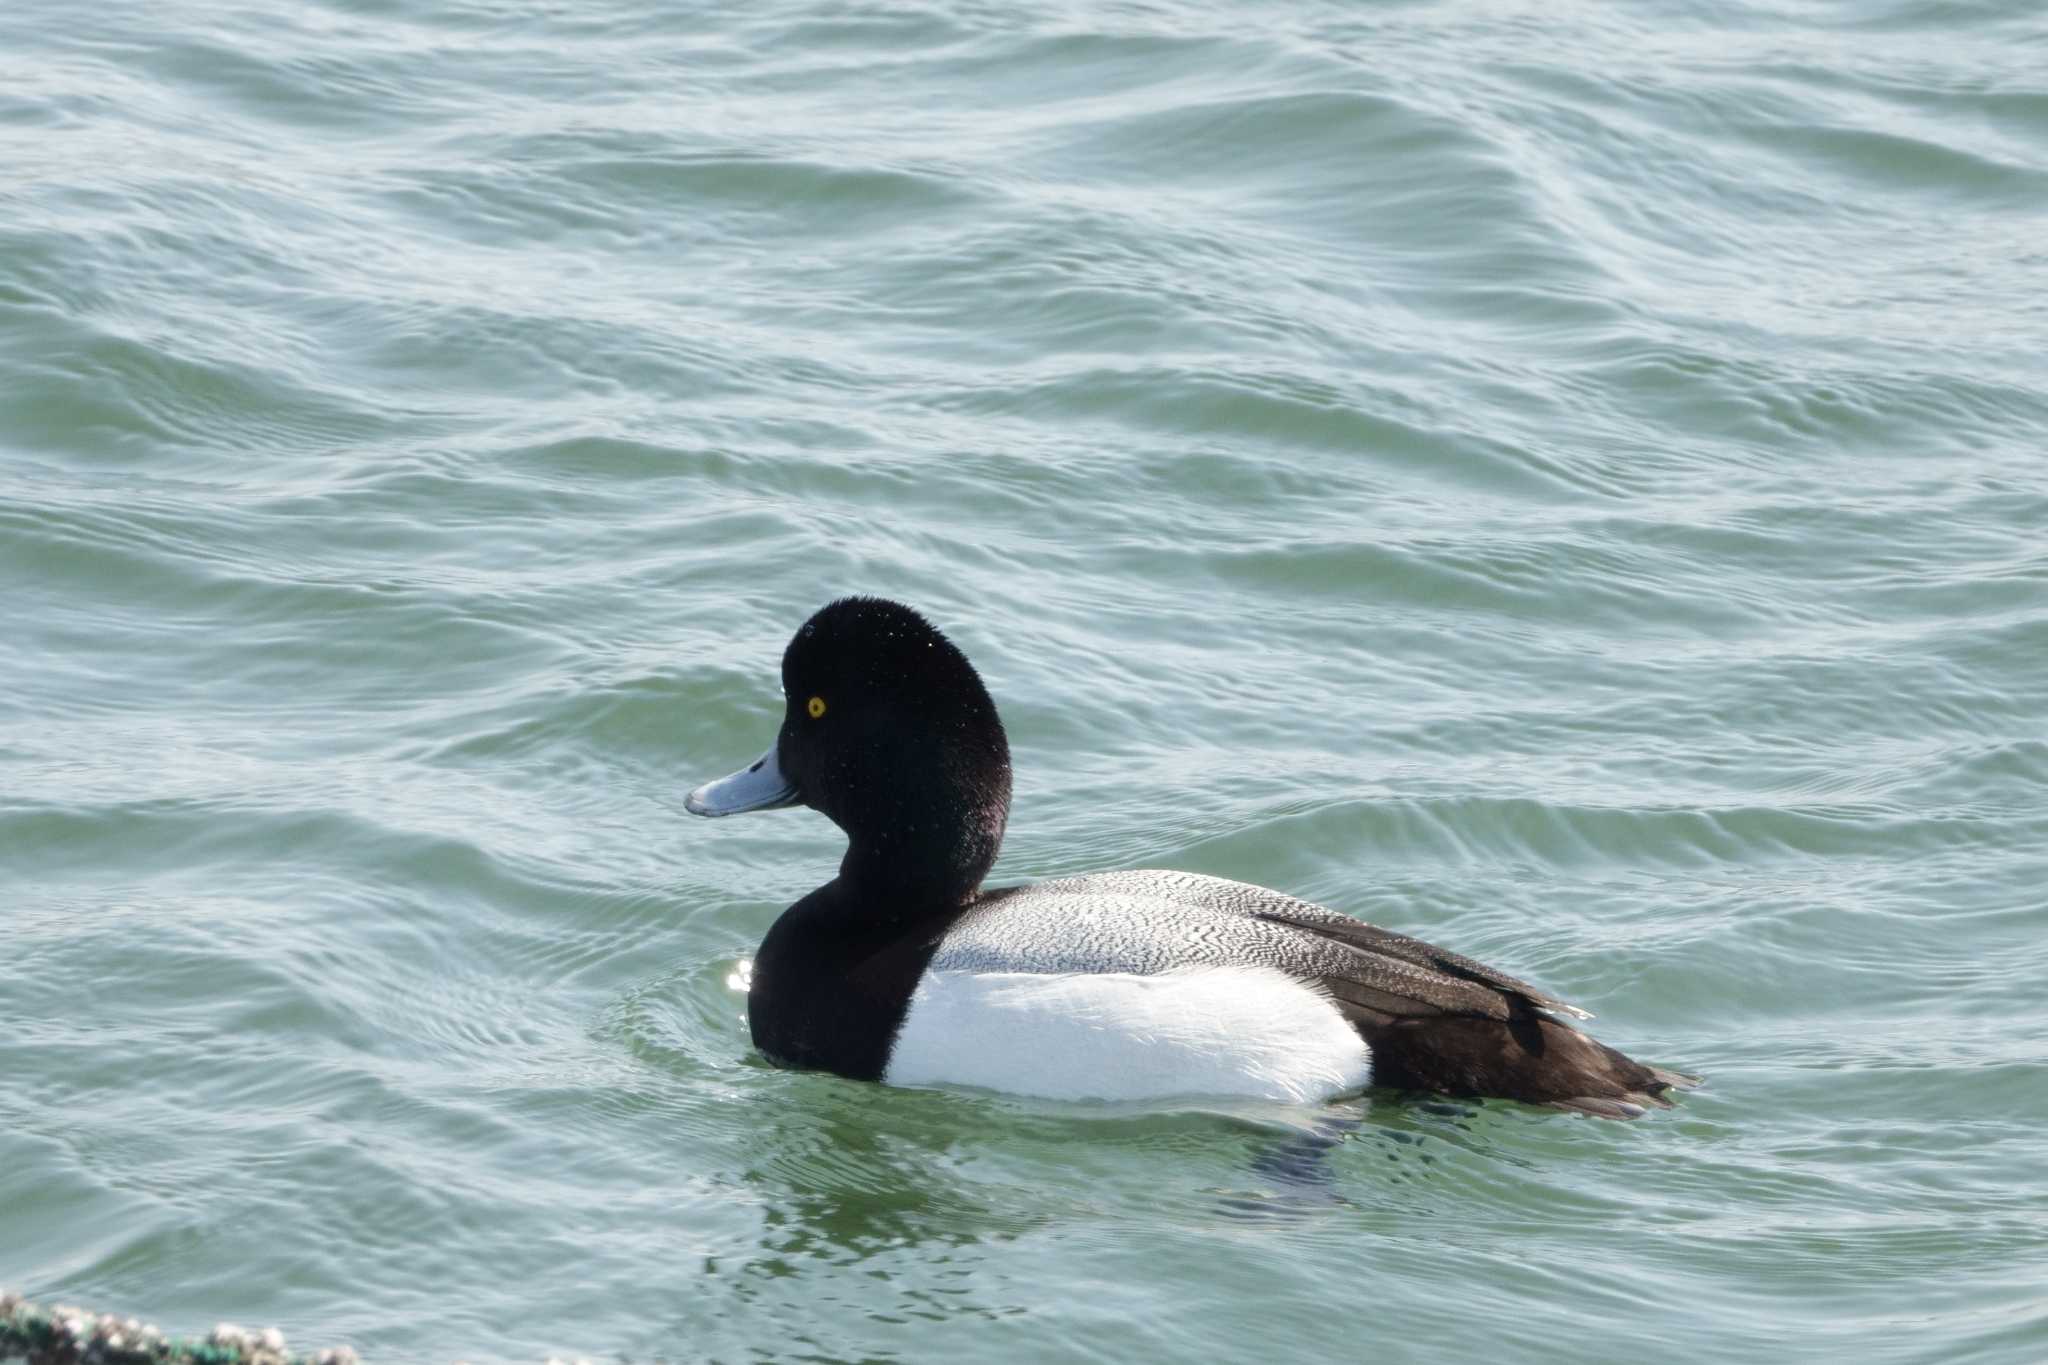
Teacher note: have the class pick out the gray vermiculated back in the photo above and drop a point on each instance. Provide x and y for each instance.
(1151, 920)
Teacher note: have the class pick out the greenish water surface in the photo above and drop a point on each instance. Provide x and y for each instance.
(1567, 482)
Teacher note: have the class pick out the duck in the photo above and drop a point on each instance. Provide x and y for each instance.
(1128, 985)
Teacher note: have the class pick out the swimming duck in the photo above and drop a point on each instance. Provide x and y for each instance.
(1108, 985)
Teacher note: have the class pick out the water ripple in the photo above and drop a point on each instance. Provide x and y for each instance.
(1563, 484)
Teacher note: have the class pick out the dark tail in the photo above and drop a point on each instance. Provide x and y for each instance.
(1530, 1057)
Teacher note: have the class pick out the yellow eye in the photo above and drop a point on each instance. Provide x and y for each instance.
(816, 706)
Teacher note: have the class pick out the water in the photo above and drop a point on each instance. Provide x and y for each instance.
(1566, 484)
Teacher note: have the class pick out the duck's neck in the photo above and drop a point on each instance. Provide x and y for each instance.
(926, 860)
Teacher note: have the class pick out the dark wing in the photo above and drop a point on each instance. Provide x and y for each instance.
(1441, 969)
(1384, 967)
(1152, 921)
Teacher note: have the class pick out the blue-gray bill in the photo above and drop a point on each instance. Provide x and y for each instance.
(758, 786)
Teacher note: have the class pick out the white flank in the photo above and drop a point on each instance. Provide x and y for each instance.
(1248, 1032)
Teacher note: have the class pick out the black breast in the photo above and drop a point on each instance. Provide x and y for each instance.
(833, 981)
